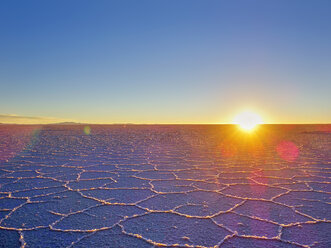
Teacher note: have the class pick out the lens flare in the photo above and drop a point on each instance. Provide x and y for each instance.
(87, 130)
(288, 151)
(228, 149)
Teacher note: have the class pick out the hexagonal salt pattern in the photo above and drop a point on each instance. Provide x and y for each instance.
(163, 186)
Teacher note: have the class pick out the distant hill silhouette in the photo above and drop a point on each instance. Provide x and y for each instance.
(67, 123)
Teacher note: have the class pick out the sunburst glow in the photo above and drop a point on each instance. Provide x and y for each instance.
(247, 120)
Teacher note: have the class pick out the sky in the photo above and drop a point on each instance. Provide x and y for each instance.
(165, 61)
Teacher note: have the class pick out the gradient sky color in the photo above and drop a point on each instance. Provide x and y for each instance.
(171, 61)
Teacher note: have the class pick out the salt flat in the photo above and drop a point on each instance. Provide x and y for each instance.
(166, 185)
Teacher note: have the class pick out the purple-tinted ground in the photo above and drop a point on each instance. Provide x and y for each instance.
(170, 186)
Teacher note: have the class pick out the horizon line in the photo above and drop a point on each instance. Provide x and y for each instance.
(163, 124)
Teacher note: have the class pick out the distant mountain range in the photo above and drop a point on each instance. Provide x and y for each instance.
(67, 123)
(56, 123)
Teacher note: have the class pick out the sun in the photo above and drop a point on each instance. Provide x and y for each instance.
(247, 120)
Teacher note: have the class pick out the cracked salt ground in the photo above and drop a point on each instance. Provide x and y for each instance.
(167, 186)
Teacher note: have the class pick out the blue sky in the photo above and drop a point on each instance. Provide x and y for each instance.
(170, 61)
